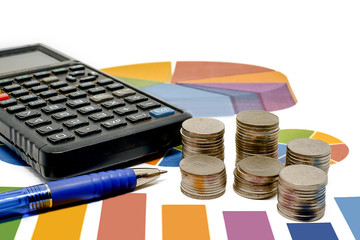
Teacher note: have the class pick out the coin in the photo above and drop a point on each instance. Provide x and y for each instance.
(256, 176)
(203, 126)
(203, 136)
(257, 118)
(309, 152)
(202, 177)
(256, 134)
(301, 192)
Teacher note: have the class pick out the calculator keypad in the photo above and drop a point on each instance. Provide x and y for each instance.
(69, 103)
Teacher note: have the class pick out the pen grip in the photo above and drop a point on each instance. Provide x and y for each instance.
(92, 186)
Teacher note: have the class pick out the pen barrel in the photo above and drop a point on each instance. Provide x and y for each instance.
(92, 186)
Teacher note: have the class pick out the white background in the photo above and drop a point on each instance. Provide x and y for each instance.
(316, 44)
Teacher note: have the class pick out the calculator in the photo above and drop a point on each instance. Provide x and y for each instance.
(65, 118)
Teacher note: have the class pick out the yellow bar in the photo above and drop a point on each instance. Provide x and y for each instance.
(60, 224)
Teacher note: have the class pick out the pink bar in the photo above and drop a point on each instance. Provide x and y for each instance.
(247, 225)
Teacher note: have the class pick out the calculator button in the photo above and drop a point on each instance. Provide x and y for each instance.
(138, 117)
(61, 137)
(40, 88)
(59, 84)
(49, 129)
(86, 85)
(89, 109)
(101, 97)
(71, 78)
(16, 108)
(114, 123)
(64, 115)
(125, 110)
(75, 123)
(58, 99)
(5, 82)
(12, 87)
(8, 102)
(96, 90)
(124, 92)
(37, 122)
(59, 70)
(105, 81)
(50, 79)
(148, 105)
(161, 112)
(113, 104)
(78, 94)
(41, 74)
(19, 93)
(23, 78)
(48, 93)
(37, 103)
(115, 86)
(28, 98)
(136, 99)
(93, 74)
(67, 89)
(87, 79)
(88, 130)
(77, 73)
(78, 103)
(4, 96)
(101, 116)
(28, 114)
(77, 67)
(50, 109)
(31, 83)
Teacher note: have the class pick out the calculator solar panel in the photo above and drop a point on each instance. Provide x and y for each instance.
(65, 118)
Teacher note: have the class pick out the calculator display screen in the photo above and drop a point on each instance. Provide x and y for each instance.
(25, 60)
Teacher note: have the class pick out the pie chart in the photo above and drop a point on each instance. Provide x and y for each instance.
(211, 89)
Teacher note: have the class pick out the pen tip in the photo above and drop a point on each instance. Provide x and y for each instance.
(162, 171)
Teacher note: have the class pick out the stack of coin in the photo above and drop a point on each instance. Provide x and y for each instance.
(257, 134)
(309, 151)
(301, 193)
(204, 136)
(202, 177)
(256, 177)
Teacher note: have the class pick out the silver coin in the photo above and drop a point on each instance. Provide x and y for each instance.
(309, 147)
(257, 118)
(301, 192)
(303, 177)
(261, 166)
(203, 126)
(202, 177)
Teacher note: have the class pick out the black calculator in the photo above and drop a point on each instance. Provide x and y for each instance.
(65, 118)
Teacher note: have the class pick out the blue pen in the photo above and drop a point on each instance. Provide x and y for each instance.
(73, 190)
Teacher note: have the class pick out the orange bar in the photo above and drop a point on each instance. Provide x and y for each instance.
(60, 224)
(188, 222)
(123, 217)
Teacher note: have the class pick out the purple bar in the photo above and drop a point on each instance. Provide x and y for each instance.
(247, 225)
